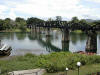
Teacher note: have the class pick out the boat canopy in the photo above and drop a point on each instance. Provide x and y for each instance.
(4, 47)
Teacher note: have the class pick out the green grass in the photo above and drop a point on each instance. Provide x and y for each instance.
(84, 70)
(77, 31)
(18, 63)
(53, 62)
(19, 30)
(16, 30)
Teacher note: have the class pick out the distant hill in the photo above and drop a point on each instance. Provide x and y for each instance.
(90, 20)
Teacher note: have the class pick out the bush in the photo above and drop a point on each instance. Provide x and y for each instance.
(52, 62)
(59, 61)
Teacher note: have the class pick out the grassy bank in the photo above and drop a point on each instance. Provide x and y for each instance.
(54, 62)
(84, 70)
(16, 30)
(77, 31)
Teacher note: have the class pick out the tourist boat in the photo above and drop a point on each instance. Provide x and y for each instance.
(5, 49)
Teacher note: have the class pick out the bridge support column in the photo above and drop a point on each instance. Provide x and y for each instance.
(38, 29)
(33, 28)
(65, 40)
(91, 44)
(65, 36)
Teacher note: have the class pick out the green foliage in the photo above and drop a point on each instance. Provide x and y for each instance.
(1, 24)
(58, 18)
(22, 24)
(34, 20)
(75, 20)
(59, 61)
(53, 62)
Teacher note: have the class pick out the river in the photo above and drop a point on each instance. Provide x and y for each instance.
(39, 43)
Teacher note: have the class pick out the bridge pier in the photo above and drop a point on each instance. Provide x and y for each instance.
(91, 44)
(65, 40)
(65, 36)
(33, 28)
(38, 30)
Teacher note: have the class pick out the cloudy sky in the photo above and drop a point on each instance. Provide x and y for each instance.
(88, 9)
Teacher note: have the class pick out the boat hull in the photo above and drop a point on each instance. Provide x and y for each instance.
(5, 52)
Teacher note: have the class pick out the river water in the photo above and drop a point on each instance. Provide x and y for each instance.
(36, 43)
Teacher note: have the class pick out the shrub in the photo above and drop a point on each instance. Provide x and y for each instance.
(52, 62)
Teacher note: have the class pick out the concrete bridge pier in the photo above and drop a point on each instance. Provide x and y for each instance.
(65, 40)
(38, 30)
(91, 44)
(33, 28)
(65, 35)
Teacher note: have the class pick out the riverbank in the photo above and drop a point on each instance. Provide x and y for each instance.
(28, 30)
(84, 70)
(52, 62)
(16, 30)
(77, 31)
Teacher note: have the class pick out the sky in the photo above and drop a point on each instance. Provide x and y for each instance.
(44, 9)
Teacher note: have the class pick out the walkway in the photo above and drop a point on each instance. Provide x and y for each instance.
(28, 72)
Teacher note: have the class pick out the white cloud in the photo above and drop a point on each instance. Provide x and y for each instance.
(46, 8)
(2, 8)
(96, 1)
(50, 8)
(4, 14)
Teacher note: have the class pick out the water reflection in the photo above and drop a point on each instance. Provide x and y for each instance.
(38, 43)
(65, 46)
(21, 36)
(81, 37)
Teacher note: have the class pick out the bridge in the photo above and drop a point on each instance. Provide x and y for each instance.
(66, 27)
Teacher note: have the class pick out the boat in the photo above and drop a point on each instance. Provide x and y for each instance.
(5, 49)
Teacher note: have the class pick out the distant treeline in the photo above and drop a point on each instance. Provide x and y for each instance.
(21, 23)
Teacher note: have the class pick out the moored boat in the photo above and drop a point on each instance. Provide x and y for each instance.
(5, 49)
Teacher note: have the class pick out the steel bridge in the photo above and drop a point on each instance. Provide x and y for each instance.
(64, 25)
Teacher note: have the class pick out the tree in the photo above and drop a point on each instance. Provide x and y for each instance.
(58, 18)
(1, 24)
(34, 20)
(50, 19)
(8, 23)
(21, 23)
(75, 20)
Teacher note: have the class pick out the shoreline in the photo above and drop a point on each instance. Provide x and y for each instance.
(8, 57)
(15, 30)
(14, 56)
